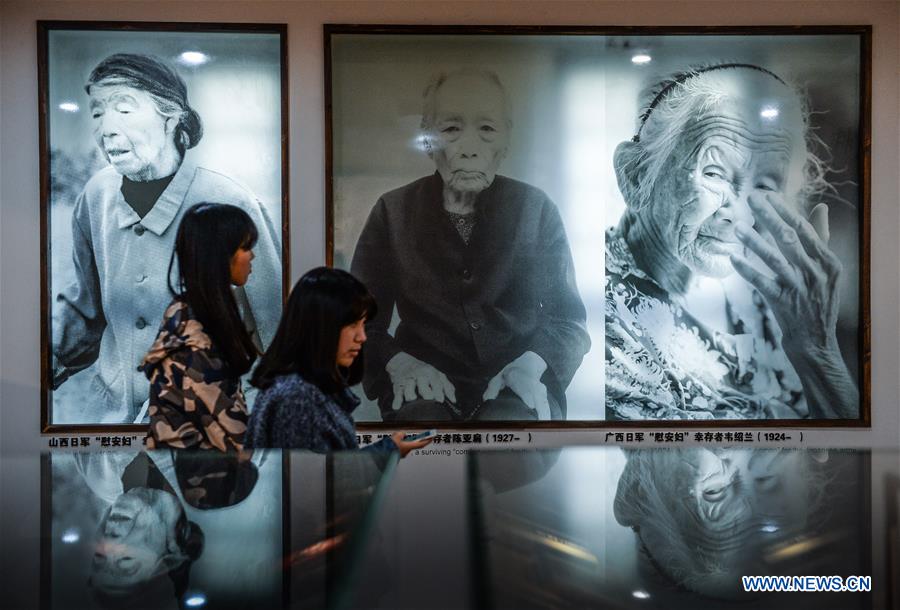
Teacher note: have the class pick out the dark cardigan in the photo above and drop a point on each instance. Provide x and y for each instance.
(293, 413)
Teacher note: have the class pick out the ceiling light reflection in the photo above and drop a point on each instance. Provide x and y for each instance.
(640, 594)
(193, 58)
(195, 600)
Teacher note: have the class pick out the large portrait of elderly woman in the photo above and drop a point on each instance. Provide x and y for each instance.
(567, 227)
(140, 122)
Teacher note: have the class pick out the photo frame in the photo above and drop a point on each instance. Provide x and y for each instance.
(559, 101)
(123, 105)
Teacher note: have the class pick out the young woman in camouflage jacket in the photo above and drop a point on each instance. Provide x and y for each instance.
(203, 348)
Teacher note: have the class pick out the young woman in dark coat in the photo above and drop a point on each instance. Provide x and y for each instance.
(304, 378)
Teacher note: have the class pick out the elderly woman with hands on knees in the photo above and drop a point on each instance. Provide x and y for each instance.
(718, 180)
(304, 378)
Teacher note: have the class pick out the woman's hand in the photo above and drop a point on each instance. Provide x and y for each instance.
(523, 376)
(803, 296)
(412, 378)
(405, 447)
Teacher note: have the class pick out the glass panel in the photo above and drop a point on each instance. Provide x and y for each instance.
(187, 529)
(607, 528)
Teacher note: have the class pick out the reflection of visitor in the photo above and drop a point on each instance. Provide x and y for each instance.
(706, 517)
(479, 269)
(304, 378)
(123, 228)
(202, 349)
(717, 180)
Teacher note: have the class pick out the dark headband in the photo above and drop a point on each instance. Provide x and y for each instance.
(157, 77)
(681, 78)
(142, 72)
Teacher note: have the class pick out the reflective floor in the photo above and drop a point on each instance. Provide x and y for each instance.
(576, 527)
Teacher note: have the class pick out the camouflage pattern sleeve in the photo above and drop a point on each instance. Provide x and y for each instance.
(194, 402)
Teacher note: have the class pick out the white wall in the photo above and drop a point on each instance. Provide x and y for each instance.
(19, 191)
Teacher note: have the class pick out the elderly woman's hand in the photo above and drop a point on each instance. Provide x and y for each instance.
(803, 295)
(411, 378)
(523, 376)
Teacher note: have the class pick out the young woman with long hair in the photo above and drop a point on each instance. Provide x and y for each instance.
(304, 378)
(203, 347)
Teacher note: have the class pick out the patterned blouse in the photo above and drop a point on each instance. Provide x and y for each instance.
(664, 364)
(194, 403)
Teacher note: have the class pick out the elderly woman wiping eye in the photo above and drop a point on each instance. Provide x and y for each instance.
(718, 179)
(123, 227)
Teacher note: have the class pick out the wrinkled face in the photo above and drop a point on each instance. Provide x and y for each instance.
(737, 147)
(470, 132)
(131, 132)
(732, 509)
(132, 543)
(241, 266)
(350, 342)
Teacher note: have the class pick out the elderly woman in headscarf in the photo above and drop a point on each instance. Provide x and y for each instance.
(124, 224)
(720, 178)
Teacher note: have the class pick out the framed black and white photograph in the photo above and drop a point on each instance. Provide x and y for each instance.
(164, 529)
(575, 226)
(138, 123)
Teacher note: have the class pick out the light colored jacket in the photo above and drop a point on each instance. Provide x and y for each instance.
(111, 310)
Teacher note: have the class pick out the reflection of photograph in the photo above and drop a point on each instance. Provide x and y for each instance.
(158, 529)
(737, 509)
(673, 528)
(478, 181)
(140, 126)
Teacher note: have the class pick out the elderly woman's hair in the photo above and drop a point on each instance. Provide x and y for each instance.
(670, 104)
(429, 96)
(161, 82)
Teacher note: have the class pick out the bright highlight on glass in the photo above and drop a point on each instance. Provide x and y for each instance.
(769, 113)
(421, 143)
(641, 594)
(69, 107)
(195, 600)
(641, 58)
(71, 536)
(769, 528)
(194, 58)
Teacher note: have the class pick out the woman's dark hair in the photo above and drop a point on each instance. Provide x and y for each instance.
(208, 237)
(322, 302)
(161, 81)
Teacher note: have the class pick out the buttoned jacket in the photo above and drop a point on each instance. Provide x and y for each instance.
(470, 309)
(111, 311)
